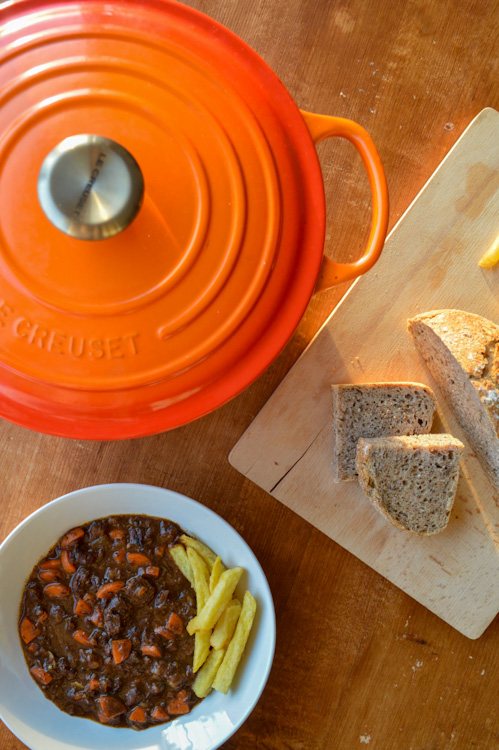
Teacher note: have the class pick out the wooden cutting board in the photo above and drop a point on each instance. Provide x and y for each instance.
(430, 261)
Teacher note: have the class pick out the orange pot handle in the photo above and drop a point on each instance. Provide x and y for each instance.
(324, 126)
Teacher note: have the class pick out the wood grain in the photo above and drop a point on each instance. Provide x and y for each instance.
(356, 657)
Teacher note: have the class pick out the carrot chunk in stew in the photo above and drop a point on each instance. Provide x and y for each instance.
(41, 675)
(81, 637)
(111, 706)
(175, 624)
(138, 714)
(93, 684)
(117, 535)
(149, 649)
(159, 714)
(71, 537)
(28, 630)
(82, 608)
(56, 590)
(179, 705)
(67, 565)
(121, 649)
(46, 564)
(137, 558)
(119, 556)
(109, 589)
(50, 575)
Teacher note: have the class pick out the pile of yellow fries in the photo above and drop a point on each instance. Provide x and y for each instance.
(222, 624)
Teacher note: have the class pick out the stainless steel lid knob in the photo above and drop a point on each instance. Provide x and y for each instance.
(90, 187)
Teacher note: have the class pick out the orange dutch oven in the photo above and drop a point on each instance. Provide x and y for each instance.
(162, 215)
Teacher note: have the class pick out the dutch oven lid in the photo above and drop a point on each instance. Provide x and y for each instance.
(161, 220)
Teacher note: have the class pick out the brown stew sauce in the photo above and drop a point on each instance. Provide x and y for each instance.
(103, 623)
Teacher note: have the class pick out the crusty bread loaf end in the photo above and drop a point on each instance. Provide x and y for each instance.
(461, 350)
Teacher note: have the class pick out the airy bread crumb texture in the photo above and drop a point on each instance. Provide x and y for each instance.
(411, 480)
(376, 410)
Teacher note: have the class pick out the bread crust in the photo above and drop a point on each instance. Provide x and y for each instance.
(461, 350)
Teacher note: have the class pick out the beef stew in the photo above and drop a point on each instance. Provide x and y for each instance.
(103, 623)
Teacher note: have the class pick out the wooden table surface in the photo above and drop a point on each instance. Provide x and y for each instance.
(357, 661)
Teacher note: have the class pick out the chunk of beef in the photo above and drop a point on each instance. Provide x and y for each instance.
(57, 613)
(112, 574)
(71, 656)
(71, 623)
(116, 614)
(88, 658)
(37, 610)
(47, 659)
(97, 529)
(99, 552)
(185, 607)
(83, 555)
(32, 594)
(139, 590)
(141, 532)
(155, 687)
(168, 532)
(98, 637)
(81, 581)
(112, 623)
(64, 667)
(75, 693)
(175, 678)
(133, 695)
(161, 599)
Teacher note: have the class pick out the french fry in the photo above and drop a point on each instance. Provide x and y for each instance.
(201, 649)
(180, 557)
(201, 587)
(491, 257)
(216, 572)
(206, 675)
(206, 553)
(201, 577)
(217, 601)
(227, 669)
(224, 629)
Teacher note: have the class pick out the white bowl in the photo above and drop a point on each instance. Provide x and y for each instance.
(37, 721)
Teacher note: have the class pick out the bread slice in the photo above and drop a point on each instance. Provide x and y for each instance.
(376, 410)
(411, 480)
(461, 351)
